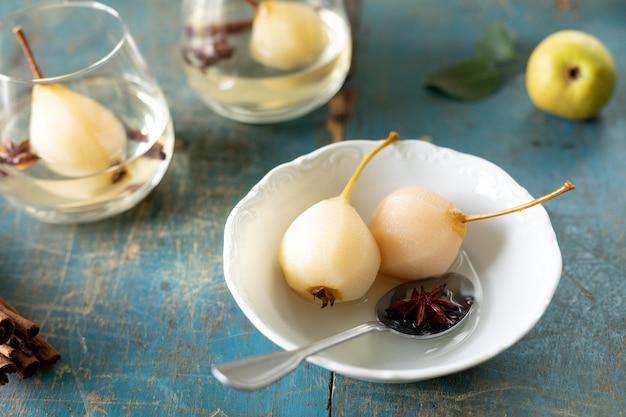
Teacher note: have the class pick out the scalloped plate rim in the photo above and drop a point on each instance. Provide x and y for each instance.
(312, 160)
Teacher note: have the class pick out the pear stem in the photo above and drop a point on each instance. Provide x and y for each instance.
(347, 191)
(27, 51)
(564, 188)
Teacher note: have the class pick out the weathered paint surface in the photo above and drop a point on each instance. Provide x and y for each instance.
(137, 304)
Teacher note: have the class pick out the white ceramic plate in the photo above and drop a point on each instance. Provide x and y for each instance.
(516, 258)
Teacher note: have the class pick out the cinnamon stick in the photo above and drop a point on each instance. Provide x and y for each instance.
(25, 365)
(20, 345)
(6, 366)
(22, 325)
(229, 28)
(46, 353)
(23, 350)
(7, 351)
(7, 327)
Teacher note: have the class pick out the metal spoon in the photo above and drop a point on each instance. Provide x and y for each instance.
(259, 371)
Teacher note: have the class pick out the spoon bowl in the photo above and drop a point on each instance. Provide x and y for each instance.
(441, 304)
(453, 287)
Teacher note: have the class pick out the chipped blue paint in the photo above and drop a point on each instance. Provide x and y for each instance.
(137, 304)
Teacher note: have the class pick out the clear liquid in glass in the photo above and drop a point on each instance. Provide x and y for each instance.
(240, 88)
(55, 198)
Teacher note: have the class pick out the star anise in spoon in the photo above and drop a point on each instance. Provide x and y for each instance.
(18, 155)
(427, 310)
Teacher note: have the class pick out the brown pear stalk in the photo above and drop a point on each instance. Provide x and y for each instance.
(19, 33)
(564, 188)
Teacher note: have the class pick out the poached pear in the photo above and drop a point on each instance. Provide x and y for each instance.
(73, 134)
(420, 233)
(287, 35)
(328, 252)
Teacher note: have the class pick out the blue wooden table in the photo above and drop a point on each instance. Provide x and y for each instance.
(137, 304)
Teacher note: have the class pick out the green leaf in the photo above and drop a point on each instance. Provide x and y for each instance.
(471, 79)
(497, 44)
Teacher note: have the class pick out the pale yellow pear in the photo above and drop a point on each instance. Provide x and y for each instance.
(73, 134)
(420, 233)
(287, 35)
(328, 252)
(329, 247)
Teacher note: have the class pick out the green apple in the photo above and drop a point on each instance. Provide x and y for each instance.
(570, 74)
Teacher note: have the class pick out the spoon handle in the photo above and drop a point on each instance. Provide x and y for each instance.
(259, 371)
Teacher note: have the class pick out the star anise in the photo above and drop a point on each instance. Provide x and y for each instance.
(209, 54)
(156, 152)
(427, 311)
(18, 155)
(210, 43)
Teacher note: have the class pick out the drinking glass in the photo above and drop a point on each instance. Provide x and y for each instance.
(267, 61)
(85, 131)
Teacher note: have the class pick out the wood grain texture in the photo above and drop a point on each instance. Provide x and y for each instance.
(137, 304)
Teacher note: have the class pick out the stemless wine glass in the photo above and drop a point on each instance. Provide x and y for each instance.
(265, 61)
(85, 131)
